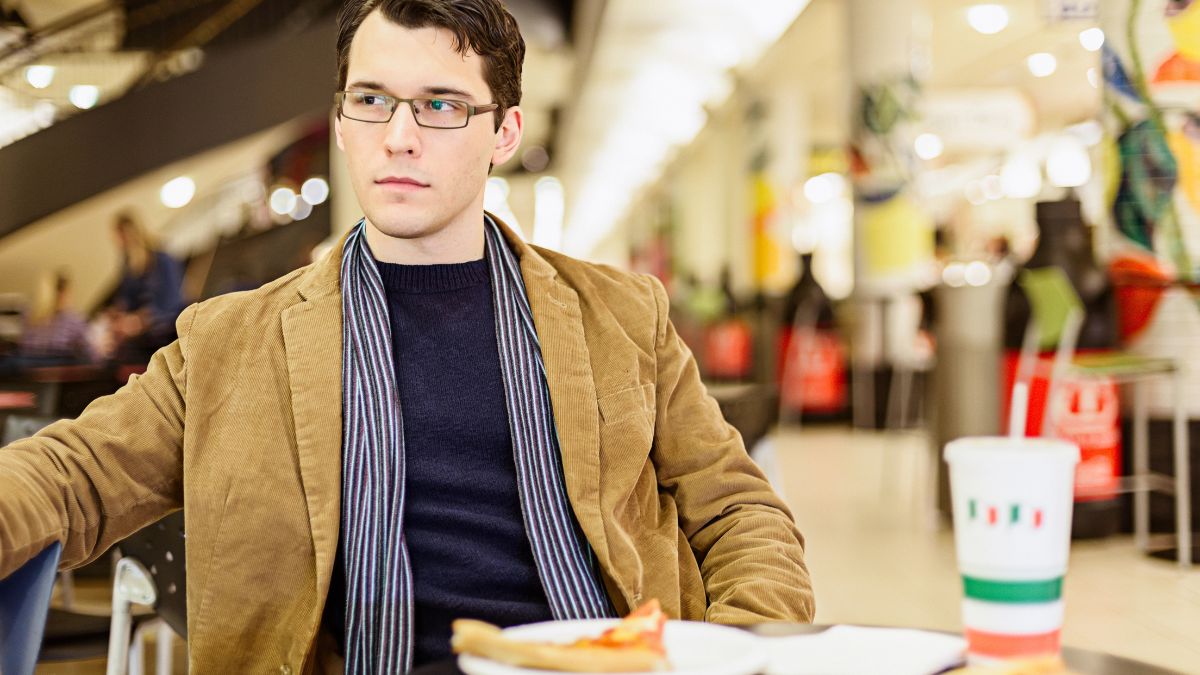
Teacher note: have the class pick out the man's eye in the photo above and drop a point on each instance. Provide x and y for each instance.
(442, 105)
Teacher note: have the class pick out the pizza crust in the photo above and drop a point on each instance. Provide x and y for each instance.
(483, 639)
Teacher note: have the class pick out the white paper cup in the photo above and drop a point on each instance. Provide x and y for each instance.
(1012, 529)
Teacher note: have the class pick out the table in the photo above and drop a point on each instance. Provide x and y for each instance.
(1082, 661)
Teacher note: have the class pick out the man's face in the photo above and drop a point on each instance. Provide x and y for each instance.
(414, 182)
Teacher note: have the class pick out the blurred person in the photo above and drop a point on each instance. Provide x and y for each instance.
(148, 298)
(433, 421)
(54, 333)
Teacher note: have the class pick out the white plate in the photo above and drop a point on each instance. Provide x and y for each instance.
(693, 648)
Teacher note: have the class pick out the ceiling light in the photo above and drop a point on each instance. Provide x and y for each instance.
(1068, 164)
(987, 19)
(39, 77)
(1042, 64)
(84, 96)
(177, 192)
(1021, 177)
(1092, 39)
(977, 273)
(929, 146)
(315, 191)
(824, 188)
(955, 275)
(283, 201)
(302, 210)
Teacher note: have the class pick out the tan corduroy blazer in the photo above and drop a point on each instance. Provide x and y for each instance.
(239, 423)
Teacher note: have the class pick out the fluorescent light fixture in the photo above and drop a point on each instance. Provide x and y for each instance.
(549, 210)
(495, 200)
(1042, 64)
(988, 19)
(177, 192)
(39, 77)
(84, 96)
(1092, 39)
(315, 191)
(929, 146)
(283, 201)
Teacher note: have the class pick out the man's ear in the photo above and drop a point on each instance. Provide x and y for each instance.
(508, 136)
(337, 132)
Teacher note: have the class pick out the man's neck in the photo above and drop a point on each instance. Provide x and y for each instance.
(454, 244)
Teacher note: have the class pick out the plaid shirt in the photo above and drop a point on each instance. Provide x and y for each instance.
(64, 336)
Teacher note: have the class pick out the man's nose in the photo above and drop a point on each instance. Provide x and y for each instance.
(403, 132)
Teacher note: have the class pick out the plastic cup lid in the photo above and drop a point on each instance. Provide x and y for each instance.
(978, 447)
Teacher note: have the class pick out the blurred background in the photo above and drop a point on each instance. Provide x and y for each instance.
(872, 219)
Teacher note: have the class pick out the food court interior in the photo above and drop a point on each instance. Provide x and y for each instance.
(876, 221)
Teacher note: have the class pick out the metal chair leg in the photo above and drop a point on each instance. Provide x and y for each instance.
(1183, 478)
(163, 649)
(1141, 467)
(137, 652)
(66, 585)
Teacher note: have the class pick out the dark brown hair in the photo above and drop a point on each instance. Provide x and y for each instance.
(482, 26)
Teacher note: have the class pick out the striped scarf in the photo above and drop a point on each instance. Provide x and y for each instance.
(379, 583)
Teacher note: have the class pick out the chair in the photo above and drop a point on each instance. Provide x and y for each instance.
(71, 635)
(24, 604)
(17, 427)
(1056, 317)
(151, 572)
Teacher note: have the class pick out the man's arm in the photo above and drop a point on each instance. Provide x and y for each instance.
(92, 481)
(751, 554)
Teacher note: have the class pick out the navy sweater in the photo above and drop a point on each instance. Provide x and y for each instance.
(470, 555)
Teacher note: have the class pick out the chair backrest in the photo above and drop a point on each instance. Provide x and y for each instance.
(1056, 314)
(1052, 300)
(17, 427)
(160, 549)
(24, 605)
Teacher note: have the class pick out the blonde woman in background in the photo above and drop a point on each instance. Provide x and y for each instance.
(142, 310)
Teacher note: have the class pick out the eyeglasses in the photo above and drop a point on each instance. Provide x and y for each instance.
(434, 113)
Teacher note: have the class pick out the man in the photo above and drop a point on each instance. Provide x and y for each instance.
(435, 421)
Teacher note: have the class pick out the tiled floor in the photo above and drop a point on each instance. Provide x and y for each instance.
(878, 557)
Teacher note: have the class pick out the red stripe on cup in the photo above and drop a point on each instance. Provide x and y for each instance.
(1001, 646)
(991, 515)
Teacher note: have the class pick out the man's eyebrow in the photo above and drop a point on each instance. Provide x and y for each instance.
(447, 91)
(366, 84)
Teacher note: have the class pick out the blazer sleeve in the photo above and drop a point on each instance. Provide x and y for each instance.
(92, 481)
(751, 555)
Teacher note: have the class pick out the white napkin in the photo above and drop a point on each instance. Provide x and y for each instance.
(853, 650)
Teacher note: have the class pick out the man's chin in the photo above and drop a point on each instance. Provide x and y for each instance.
(398, 228)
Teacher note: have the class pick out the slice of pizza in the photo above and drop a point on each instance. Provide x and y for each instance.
(633, 645)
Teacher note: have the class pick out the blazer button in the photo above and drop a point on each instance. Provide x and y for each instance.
(285, 669)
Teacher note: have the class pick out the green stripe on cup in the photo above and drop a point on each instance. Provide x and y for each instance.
(990, 590)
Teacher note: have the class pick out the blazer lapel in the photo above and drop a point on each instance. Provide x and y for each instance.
(559, 323)
(312, 333)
